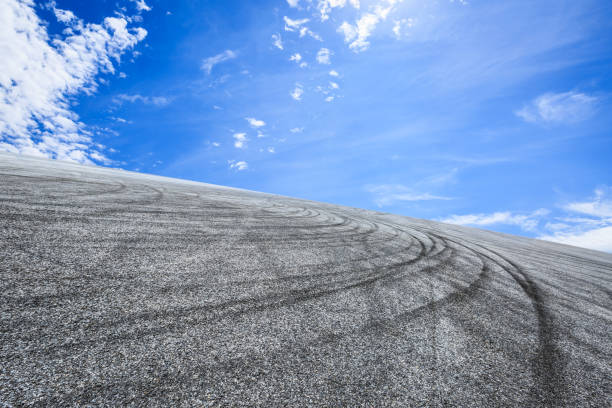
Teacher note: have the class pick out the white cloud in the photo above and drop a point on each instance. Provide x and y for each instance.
(303, 64)
(323, 56)
(565, 107)
(387, 194)
(356, 35)
(333, 85)
(39, 75)
(147, 100)
(293, 3)
(306, 30)
(599, 206)
(63, 16)
(293, 25)
(527, 222)
(295, 57)
(141, 5)
(325, 6)
(255, 122)
(587, 223)
(399, 24)
(278, 42)
(329, 99)
(599, 239)
(297, 92)
(216, 144)
(298, 25)
(241, 139)
(238, 165)
(592, 229)
(209, 63)
(297, 130)
(271, 150)
(334, 73)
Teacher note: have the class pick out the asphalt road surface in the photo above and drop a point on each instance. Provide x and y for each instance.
(125, 289)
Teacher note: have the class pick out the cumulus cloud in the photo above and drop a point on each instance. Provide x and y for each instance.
(238, 165)
(357, 34)
(297, 92)
(565, 107)
(210, 62)
(277, 41)
(240, 140)
(295, 57)
(323, 56)
(388, 194)
(527, 222)
(40, 75)
(293, 3)
(255, 122)
(334, 73)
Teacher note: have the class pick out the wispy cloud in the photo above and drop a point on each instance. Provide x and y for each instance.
(334, 73)
(209, 63)
(323, 56)
(565, 107)
(39, 75)
(297, 92)
(399, 25)
(585, 223)
(296, 130)
(238, 165)
(527, 222)
(599, 239)
(388, 194)
(294, 25)
(147, 100)
(357, 34)
(591, 229)
(277, 41)
(293, 3)
(325, 6)
(141, 5)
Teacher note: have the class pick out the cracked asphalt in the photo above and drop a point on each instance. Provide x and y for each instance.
(120, 289)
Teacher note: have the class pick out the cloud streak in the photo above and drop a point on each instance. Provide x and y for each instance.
(565, 107)
(388, 194)
(527, 222)
(209, 63)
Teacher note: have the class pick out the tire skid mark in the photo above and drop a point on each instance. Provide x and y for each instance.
(549, 364)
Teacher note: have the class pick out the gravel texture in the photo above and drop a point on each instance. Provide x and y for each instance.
(126, 289)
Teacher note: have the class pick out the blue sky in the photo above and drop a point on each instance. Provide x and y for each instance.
(492, 113)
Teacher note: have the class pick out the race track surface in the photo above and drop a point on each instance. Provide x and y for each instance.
(119, 289)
